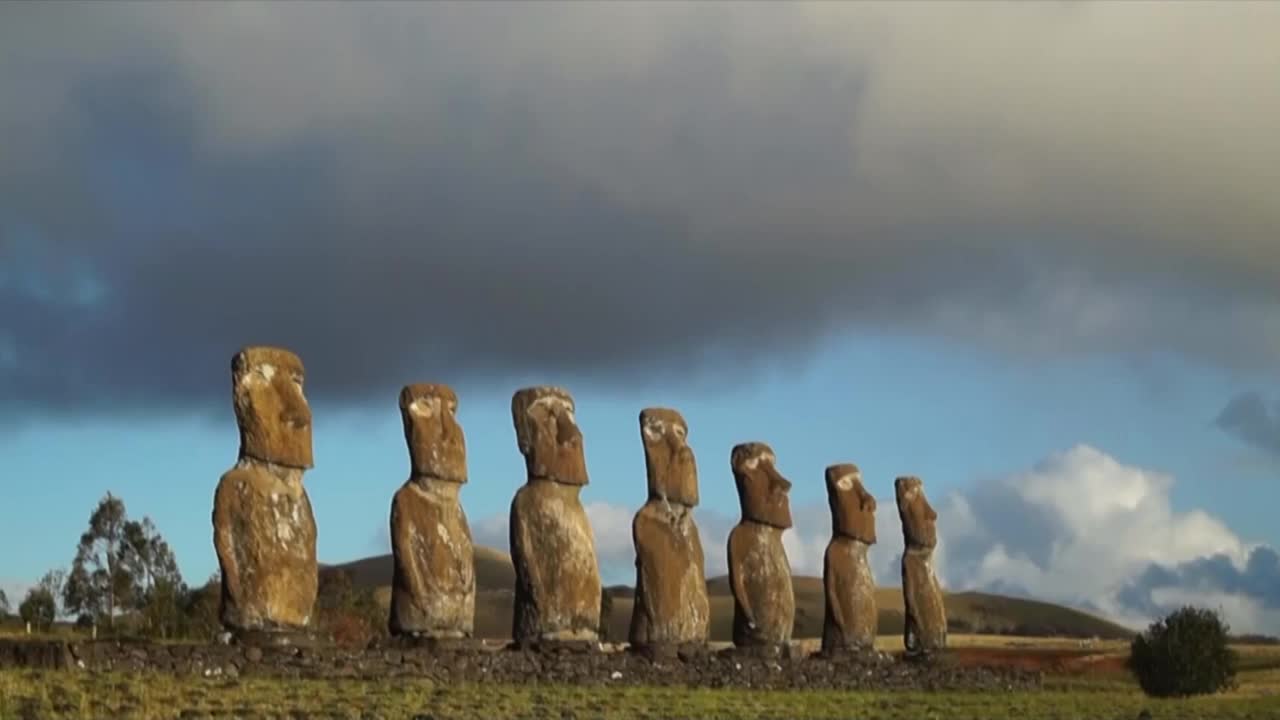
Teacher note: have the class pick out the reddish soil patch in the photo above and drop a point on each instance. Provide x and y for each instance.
(1059, 662)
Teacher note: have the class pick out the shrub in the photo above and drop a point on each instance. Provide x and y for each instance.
(1186, 653)
(350, 614)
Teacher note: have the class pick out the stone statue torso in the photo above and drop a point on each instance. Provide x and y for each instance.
(265, 538)
(671, 604)
(758, 562)
(433, 586)
(850, 620)
(557, 576)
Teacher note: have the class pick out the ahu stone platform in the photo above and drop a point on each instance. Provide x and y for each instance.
(728, 668)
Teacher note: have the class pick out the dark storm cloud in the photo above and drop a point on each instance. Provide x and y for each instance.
(1248, 419)
(433, 191)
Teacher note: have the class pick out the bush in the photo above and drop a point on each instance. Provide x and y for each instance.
(350, 614)
(1184, 654)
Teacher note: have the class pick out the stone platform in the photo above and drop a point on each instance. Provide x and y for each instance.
(472, 664)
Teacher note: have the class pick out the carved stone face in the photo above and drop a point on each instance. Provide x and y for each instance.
(436, 445)
(273, 415)
(668, 459)
(548, 435)
(853, 509)
(919, 521)
(762, 491)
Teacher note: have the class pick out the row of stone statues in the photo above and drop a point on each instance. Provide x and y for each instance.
(265, 533)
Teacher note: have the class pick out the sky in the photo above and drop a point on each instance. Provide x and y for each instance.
(1029, 253)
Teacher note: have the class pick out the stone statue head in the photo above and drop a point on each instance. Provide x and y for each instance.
(436, 445)
(668, 459)
(853, 509)
(548, 435)
(762, 491)
(273, 415)
(919, 521)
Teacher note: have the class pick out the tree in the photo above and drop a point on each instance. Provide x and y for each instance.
(4, 603)
(1184, 654)
(157, 587)
(38, 608)
(123, 565)
(54, 582)
(100, 583)
(201, 608)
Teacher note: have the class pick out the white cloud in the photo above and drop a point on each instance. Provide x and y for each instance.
(1083, 528)
(1079, 528)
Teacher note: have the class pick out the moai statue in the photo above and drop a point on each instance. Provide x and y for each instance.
(671, 609)
(850, 621)
(557, 594)
(926, 617)
(263, 529)
(764, 606)
(433, 587)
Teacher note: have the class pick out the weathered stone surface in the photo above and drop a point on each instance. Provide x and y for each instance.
(925, 631)
(506, 667)
(557, 593)
(271, 411)
(437, 446)
(853, 509)
(850, 620)
(762, 491)
(760, 576)
(433, 585)
(671, 607)
(548, 435)
(264, 530)
(670, 467)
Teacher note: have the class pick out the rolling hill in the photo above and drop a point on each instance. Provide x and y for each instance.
(966, 611)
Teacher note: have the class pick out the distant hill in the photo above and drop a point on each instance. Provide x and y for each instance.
(966, 611)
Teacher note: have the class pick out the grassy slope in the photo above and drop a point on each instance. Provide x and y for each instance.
(495, 576)
(151, 697)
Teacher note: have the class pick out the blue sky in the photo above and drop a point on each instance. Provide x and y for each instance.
(1028, 254)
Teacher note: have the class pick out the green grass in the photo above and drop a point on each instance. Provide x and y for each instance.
(32, 694)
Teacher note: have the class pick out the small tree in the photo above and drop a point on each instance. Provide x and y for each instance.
(4, 604)
(200, 609)
(1184, 654)
(100, 583)
(157, 589)
(39, 608)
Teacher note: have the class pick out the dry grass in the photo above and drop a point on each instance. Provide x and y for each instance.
(31, 694)
(80, 695)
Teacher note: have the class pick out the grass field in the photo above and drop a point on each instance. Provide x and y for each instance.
(1080, 695)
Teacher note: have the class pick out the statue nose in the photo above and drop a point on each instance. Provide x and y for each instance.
(295, 414)
(567, 432)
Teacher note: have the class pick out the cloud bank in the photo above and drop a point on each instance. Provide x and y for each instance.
(614, 191)
(1079, 528)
